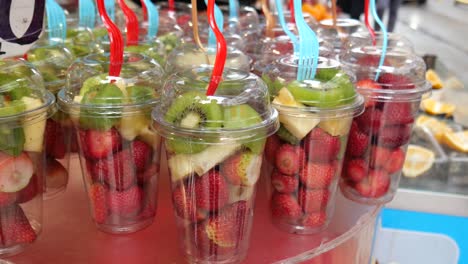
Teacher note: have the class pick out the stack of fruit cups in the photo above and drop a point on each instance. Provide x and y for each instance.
(190, 56)
(338, 34)
(52, 61)
(214, 152)
(379, 137)
(24, 107)
(305, 156)
(119, 153)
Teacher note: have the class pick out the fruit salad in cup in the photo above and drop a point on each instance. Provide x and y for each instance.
(378, 138)
(24, 107)
(214, 147)
(119, 152)
(305, 156)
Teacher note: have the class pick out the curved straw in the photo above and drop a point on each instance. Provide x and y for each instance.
(219, 21)
(171, 5)
(291, 10)
(196, 35)
(131, 24)
(220, 52)
(116, 41)
(384, 33)
(87, 13)
(270, 20)
(145, 12)
(279, 10)
(366, 19)
(234, 10)
(153, 19)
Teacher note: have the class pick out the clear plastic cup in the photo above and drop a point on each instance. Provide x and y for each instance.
(80, 41)
(305, 156)
(52, 61)
(191, 56)
(170, 35)
(119, 153)
(25, 105)
(379, 137)
(181, 15)
(346, 27)
(214, 147)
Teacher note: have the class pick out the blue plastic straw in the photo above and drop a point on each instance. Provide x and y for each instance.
(153, 19)
(56, 22)
(87, 13)
(110, 8)
(384, 33)
(294, 40)
(220, 22)
(234, 10)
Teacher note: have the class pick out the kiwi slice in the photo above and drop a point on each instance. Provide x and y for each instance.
(139, 94)
(11, 139)
(192, 110)
(273, 86)
(241, 116)
(285, 135)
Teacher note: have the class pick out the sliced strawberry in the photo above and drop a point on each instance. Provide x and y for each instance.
(56, 174)
(125, 203)
(368, 84)
(289, 159)
(15, 227)
(15, 172)
(28, 193)
(357, 142)
(211, 191)
(54, 140)
(313, 200)
(370, 121)
(356, 170)
(142, 154)
(321, 146)
(7, 199)
(285, 206)
(150, 172)
(317, 175)
(380, 183)
(98, 200)
(395, 81)
(185, 205)
(394, 136)
(397, 113)
(315, 219)
(101, 144)
(370, 60)
(284, 183)
(364, 188)
(272, 145)
(117, 171)
(395, 162)
(379, 156)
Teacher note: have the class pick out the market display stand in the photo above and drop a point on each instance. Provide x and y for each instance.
(69, 236)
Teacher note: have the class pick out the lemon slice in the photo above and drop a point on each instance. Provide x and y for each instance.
(418, 160)
(456, 140)
(434, 79)
(437, 128)
(435, 107)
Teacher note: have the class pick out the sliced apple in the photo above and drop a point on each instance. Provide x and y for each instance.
(15, 172)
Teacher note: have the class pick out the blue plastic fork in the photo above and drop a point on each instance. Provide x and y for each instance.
(294, 40)
(153, 19)
(219, 21)
(56, 22)
(308, 46)
(110, 8)
(87, 14)
(384, 34)
(234, 10)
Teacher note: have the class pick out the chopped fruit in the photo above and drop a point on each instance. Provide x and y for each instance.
(336, 127)
(357, 142)
(15, 172)
(142, 154)
(364, 188)
(296, 125)
(434, 79)
(285, 206)
(395, 161)
(273, 143)
(315, 219)
(7, 199)
(418, 161)
(226, 228)
(394, 136)
(397, 113)
(434, 107)
(284, 183)
(30, 191)
(98, 197)
(211, 191)
(395, 82)
(56, 174)
(317, 175)
(15, 227)
(54, 140)
(370, 60)
(321, 146)
(368, 84)
(313, 200)
(148, 174)
(379, 156)
(456, 140)
(289, 159)
(242, 169)
(356, 170)
(101, 144)
(285, 97)
(438, 128)
(380, 182)
(240, 193)
(33, 131)
(126, 203)
(117, 171)
(370, 121)
(184, 204)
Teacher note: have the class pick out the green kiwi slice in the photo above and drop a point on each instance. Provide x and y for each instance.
(192, 110)
(285, 135)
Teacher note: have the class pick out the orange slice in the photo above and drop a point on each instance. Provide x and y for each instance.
(435, 107)
(456, 140)
(418, 161)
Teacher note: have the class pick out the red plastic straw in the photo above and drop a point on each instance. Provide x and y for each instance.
(220, 53)
(145, 12)
(291, 11)
(131, 23)
(171, 5)
(366, 19)
(116, 41)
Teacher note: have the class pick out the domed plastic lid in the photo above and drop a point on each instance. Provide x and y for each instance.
(330, 93)
(52, 61)
(190, 56)
(239, 110)
(88, 86)
(346, 27)
(363, 38)
(22, 92)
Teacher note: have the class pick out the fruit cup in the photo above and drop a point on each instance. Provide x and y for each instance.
(304, 158)
(119, 153)
(214, 148)
(24, 107)
(338, 35)
(379, 137)
(52, 61)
